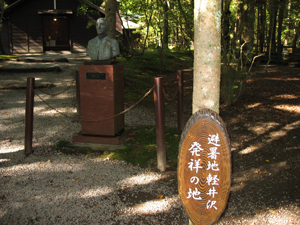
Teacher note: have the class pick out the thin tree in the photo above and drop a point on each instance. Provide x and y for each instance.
(165, 40)
(207, 55)
(110, 15)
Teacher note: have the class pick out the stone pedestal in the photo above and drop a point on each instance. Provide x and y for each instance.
(101, 97)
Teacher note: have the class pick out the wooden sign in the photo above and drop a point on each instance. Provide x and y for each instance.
(204, 167)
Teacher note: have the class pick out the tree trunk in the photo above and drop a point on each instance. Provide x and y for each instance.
(207, 55)
(166, 24)
(273, 21)
(282, 5)
(261, 25)
(237, 28)
(248, 19)
(2, 51)
(110, 14)
(296, 37)
(226, 25)
(288, 26)
(148, 21)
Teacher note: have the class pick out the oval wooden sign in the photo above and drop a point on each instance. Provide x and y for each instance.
(204, 167)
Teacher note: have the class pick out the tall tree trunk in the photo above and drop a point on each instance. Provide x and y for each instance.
(273, 8)
(110, 14)
(148, 21)
(261, 25)
(237, 28)
(166, 24)
(296, 37)
(207, 55)
(282, 5)
(2, 51)
(226, 25)
(288, 26)
(248, 19)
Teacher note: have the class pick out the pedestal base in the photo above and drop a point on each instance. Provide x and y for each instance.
(97, 139)
(101, 98)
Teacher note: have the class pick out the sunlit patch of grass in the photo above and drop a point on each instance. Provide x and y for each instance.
(141, 148)
(8, 57)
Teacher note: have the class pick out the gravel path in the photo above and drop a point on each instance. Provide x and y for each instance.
(48, 187)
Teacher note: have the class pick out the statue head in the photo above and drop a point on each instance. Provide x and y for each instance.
(101, 26)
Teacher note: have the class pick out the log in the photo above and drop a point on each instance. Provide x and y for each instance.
(204, 167)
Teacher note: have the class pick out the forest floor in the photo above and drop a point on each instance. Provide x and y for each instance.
(264, 130)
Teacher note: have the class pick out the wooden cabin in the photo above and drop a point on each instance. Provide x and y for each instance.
(35, 26)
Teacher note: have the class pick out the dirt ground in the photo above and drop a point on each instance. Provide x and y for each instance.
(264, 130)
(263, 126)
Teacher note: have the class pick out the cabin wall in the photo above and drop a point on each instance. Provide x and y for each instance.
(23, 27)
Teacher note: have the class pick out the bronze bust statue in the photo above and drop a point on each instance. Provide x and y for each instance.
(102, 47)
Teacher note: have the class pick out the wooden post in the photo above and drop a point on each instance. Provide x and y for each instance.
(160, 125)
(78, 92)
(29, 115)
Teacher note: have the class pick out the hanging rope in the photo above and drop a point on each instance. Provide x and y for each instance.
(59, 92)
(78, 119)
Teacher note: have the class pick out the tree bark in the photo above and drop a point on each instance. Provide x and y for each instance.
(261, 25)
(282, 5)
(166, 24)
(273, 21)
(248, 19)
(110, 15)
(2, 51)
(296, 37)
(226, 25)
(207, 55)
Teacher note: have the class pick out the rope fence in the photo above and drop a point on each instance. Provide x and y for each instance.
(56, 94)
(32, 90)
(79, 119)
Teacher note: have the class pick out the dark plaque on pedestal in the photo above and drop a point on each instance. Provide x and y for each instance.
(96, 76)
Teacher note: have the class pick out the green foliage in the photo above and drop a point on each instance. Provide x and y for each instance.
(232, 84)
(150, 15)
(87, 7)
(141, 69)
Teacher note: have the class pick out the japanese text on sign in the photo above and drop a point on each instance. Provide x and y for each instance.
(211, 180)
